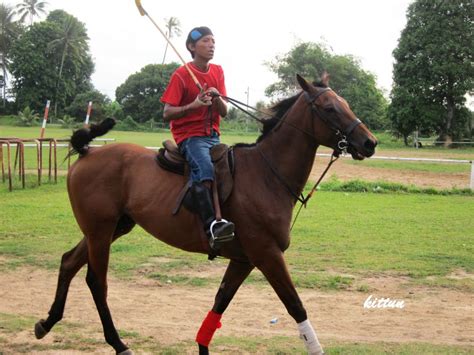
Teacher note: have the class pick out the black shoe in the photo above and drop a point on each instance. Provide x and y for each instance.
(220, 232)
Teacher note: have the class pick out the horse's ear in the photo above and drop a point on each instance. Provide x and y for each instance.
(303, 83)
(325, 78)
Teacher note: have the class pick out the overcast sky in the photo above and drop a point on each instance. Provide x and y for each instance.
(247, 34)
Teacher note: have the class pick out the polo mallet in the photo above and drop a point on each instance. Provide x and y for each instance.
(144, 13)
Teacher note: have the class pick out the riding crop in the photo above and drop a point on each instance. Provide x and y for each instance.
(144, 13)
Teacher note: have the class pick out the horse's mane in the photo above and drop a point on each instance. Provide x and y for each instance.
(278, 110)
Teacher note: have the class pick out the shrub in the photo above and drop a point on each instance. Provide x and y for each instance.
(68, 122)
(128, 124)
(28, 117)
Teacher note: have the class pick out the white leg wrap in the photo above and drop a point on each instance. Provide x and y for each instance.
(310, 339)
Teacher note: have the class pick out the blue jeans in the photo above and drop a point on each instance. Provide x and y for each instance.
(197, 151)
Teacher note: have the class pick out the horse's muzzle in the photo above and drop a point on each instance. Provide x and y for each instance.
(362, 151)
(369, 147)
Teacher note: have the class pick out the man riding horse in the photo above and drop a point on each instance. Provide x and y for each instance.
(194, 115)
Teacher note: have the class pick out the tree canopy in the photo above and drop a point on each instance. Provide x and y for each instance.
(78, 108)
(31, 9)
(173, 28)
(433, 69)
(348, 79)
(10, 30)
(49, 61)
(140, 94)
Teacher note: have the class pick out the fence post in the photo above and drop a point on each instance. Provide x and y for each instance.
(88, 115)
(45, 118)
(472, 176)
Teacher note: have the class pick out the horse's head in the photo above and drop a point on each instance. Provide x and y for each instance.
(337, 126)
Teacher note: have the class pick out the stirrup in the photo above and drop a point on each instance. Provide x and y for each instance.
(221, 238)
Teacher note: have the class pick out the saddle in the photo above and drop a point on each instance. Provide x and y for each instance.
(170, 159)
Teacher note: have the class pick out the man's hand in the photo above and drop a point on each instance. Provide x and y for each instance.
(213, 92)
(205, 97)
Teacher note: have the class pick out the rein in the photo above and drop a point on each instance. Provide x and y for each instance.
(237, 104)
(304, 202)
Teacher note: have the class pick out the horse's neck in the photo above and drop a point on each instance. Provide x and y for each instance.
(290, 151)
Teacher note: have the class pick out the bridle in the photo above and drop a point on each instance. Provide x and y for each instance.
(342, 133)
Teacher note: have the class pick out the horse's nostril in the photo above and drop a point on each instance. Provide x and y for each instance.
(370, 145)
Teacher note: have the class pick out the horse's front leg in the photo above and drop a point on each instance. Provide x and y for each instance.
(235, 274)
(273, 266)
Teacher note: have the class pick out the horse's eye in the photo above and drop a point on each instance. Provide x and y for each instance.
(329, 109)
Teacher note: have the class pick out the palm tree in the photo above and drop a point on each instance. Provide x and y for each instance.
(9, 31)
(31, 9)
(173, 27)
(71, 42)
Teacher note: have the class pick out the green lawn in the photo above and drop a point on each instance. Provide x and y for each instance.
(415, 166)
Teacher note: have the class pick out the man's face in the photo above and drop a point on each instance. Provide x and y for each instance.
(204, 47)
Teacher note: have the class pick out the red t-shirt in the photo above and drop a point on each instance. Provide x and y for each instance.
(182, 90)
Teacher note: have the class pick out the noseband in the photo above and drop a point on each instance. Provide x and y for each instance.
(342, 134)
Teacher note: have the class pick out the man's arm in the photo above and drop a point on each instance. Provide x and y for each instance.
(221, 106)
(217, 101)
(171, 113)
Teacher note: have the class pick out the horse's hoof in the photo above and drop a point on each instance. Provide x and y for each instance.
(126, 352)
(203, 350)
(40, 332)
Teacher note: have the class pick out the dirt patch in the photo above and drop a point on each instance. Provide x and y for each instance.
(171, 313)
(345, 171)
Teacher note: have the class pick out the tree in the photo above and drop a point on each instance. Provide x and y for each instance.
(140, 94)
(114, 109)
(433, 69)
(71, 42)
(31, 67)
(173, 29)
(78, 108)
(31, 9)
(36, 67)
(9, 32)
(348, 79)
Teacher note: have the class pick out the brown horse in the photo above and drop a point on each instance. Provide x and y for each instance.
(113, 187)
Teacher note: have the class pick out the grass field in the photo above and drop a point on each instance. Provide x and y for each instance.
(416, 166)
(340, 240)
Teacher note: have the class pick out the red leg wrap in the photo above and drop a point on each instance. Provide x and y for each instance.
(208, 327)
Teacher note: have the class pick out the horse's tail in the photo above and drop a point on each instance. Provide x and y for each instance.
(81, 138)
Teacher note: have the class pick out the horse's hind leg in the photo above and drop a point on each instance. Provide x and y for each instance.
(235, 274)
(71, 263)
(98, 246)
